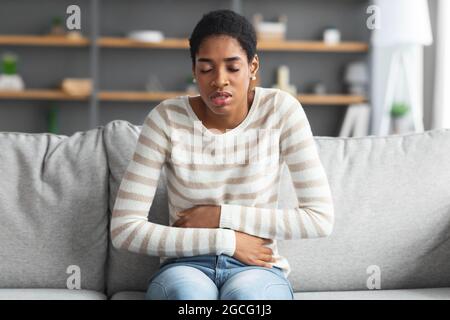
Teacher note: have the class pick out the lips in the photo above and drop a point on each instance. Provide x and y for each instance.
(218, 94)
(221, 98)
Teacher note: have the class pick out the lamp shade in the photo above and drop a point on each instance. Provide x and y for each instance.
(402, 22)
(356, 72)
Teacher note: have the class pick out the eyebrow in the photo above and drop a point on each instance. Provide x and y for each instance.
(226, 59)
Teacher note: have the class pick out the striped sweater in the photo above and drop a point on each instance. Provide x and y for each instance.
(238, 170)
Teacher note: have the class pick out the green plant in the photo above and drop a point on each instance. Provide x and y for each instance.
(9, 63)
(52, 119)
(57, 21)
(399, 109)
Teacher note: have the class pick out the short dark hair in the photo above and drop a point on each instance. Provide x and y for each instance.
(224, 22)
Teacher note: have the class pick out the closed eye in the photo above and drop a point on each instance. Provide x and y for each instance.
(229, 69)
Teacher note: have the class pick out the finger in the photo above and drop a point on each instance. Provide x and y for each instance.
(267, 258)
(264, 264)
(267, 251)
(267, 241)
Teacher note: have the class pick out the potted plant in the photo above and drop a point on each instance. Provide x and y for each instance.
(9, 79)
(57, 27)
(399, 111)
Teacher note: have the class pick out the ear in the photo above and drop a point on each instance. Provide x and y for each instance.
(254, 65)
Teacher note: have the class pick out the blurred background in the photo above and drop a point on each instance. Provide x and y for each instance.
(358, 67)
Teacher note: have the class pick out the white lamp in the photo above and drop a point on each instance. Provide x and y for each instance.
(403, 25)
(402, 22)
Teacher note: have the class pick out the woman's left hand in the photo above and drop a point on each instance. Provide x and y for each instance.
(202, 216)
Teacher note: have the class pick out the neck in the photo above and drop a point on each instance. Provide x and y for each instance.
(222, 123)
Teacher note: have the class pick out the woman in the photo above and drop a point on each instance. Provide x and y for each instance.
(223, 151)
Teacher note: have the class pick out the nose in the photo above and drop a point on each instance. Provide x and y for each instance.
(221, 80)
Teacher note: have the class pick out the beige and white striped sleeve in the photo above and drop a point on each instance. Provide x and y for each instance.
(130, 228)
(314, 215)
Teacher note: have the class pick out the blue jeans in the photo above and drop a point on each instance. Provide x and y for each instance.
(212, 277)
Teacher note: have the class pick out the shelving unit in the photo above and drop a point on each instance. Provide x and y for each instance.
(99, 43)
(116, 42)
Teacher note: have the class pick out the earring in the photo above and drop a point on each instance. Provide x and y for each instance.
(194, 80)
(253, 77)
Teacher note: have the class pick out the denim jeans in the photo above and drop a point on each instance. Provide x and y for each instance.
(212, 277)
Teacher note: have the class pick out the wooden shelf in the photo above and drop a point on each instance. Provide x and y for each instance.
(311, 99)
(312, 46)
(142, 96)
(174, 43)
(137, 95)
(287, 45)
(27, 40)
(116, 42)
(39, 94)
(330, 99)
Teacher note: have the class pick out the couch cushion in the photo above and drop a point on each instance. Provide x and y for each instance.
(128, 270)
(392, 214)
(402, 294)
(50, 294)
(53, 209)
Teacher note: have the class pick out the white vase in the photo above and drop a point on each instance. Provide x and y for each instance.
(11, 82)
(402, 124)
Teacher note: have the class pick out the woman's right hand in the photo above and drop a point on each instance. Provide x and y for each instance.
(251, 250)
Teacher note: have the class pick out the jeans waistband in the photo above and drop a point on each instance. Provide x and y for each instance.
(211, 261)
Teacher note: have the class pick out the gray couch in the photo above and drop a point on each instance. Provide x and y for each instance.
(391, 238)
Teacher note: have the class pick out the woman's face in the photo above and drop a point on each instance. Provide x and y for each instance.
(223, 73)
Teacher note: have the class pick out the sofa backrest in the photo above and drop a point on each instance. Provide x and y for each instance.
(53, 210)
(392, 214)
